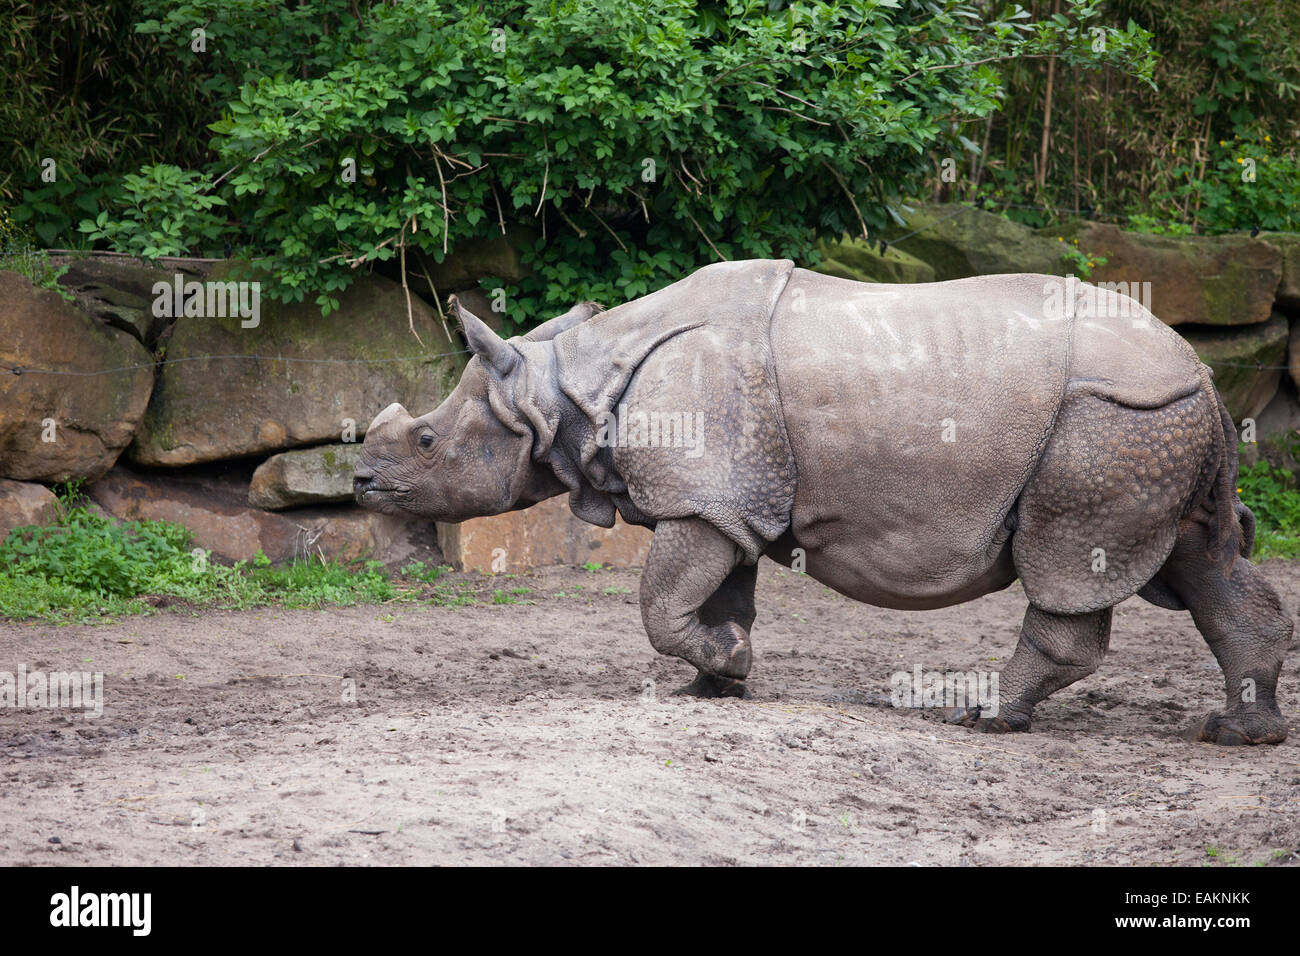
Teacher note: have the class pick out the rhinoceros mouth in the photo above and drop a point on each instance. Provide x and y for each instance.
(370, 495)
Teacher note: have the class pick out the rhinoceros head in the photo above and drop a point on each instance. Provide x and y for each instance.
(472, 455)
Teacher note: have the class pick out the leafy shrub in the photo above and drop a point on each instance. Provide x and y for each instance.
(18, 253)
(79, 86)
(1272, 494)
(1247, 185)
(94, 553)
(633, 142)
(1110, 146)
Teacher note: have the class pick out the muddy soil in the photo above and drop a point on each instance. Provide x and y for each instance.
(544, 732)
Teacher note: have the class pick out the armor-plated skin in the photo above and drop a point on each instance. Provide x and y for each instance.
(911, 446)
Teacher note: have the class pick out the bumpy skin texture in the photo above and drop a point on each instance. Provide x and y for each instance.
(910, 446)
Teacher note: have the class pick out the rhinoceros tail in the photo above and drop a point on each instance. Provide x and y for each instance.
(1234, 523)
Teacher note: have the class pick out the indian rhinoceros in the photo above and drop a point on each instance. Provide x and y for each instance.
(910, 446)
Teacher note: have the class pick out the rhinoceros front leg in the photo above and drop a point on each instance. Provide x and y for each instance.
(1055, 650)
(697, 603)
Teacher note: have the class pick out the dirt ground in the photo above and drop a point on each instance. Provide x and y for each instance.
(544, 732)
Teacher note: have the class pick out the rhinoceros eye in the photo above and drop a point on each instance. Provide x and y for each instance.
(426, 441)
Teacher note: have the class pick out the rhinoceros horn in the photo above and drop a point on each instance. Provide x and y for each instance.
(498, 354)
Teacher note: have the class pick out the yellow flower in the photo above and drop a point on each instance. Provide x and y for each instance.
(1241, 161)
(1060, 239)
(1223, 142)
(1268, 139)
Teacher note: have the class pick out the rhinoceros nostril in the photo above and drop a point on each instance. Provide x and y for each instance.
(361, 484)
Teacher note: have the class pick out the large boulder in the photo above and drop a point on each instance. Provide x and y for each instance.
(215, 507)
(80, 392)
(297, 378)
(1246, 361)
(863, 261)
(118, 291)
(22, 504)
(959, 241)
(471, 260)
(543, 535)
(1288, 244)
(1201, 280)
(306, 476)
(1277, 433)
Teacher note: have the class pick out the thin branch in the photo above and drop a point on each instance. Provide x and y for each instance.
(608, 230)
(410, 313)
(582, 233)
(862, 222)
(437, 301)
(987, 59)
(497, 199)
(706, 238)
(546, 177)
(776, 89)
(218, 180)
(681, 162)
(786, 109)
(446, 211)
(644, 211)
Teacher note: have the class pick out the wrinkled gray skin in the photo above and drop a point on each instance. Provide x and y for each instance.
(911, 446)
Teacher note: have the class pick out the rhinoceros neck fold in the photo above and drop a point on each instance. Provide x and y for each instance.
(694, 360)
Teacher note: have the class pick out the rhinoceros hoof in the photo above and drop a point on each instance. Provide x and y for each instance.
(970, 717)
(1236, 730)
(709, 686)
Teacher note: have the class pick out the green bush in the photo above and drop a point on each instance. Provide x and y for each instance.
(633, 142)
(1248, 184)
(1272, 494)
(79, 86)
(1117, 148)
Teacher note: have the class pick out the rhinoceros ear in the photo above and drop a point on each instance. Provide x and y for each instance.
(562, 323)
(495, 352)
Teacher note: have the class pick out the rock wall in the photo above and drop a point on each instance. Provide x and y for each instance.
(90, 385)
(245, 428)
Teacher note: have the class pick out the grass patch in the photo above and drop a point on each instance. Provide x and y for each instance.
(1272, 494)
(424, 573)
(86, 567)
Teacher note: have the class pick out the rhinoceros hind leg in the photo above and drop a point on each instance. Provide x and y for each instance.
(1055, 650)
(1243, 620)
(697, 603)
